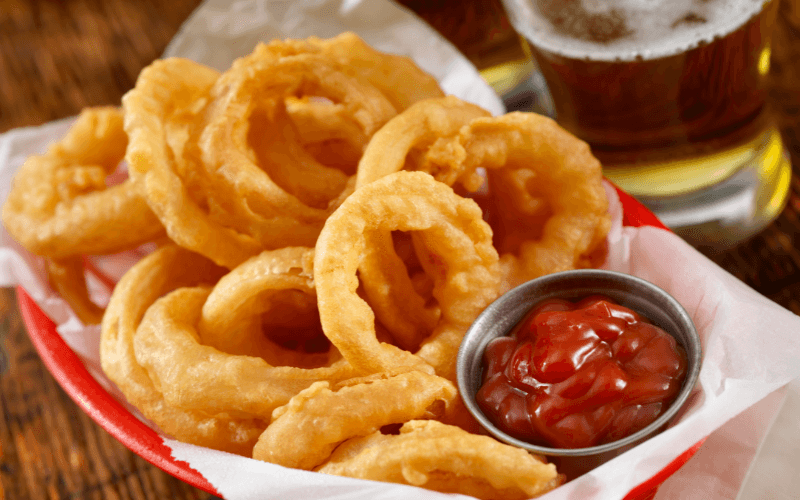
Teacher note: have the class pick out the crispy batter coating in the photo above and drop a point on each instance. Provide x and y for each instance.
(461, 255)
(305, 432)
(161, 272)
(445, 458)
(547, 191)
(162, 118)
(199, 377)
(60, 206)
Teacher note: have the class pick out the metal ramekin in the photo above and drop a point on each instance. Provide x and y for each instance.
(642, 296)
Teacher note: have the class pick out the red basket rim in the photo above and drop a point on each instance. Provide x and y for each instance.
(71, 374)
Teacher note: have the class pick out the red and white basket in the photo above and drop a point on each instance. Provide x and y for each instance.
(69, 371)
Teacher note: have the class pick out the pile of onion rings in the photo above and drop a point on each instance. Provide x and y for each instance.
(324, 225)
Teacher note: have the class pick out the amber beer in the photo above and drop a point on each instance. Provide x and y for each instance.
(669, 94)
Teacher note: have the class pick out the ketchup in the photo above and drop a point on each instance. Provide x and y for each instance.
(574, 375)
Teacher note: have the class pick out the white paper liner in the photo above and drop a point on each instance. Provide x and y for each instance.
(750, 344)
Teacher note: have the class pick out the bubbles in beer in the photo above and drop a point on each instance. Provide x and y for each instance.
(593, 22)
(689, 18)
(611, 30)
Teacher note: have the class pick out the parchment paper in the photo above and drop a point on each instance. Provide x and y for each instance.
(750, 344)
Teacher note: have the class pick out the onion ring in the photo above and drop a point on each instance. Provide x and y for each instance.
(195, 376)
(59, 205)
(272, 291)
(445, 458)
(254, 89)
(453, 231)
(304, 432)
(416, 130)
(332, 136)
(246, 291)
(560, 171)
(254, 290)
(390, 150)
(397, 77)
(548, 207)
(161, 118)
(168, 268)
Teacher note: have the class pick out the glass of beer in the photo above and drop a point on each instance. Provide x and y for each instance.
(670, 95)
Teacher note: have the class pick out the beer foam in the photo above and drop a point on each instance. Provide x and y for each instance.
(624, 30)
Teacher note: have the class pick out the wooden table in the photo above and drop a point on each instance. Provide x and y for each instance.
(58, 57)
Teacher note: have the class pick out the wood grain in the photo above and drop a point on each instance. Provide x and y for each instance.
(55, 59)
(59, 57)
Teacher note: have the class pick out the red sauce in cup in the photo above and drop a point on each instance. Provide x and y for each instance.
(574, 375)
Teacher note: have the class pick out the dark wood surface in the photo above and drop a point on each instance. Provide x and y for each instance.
(58, 57)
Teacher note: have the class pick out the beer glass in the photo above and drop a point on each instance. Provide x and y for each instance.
(670, 95)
